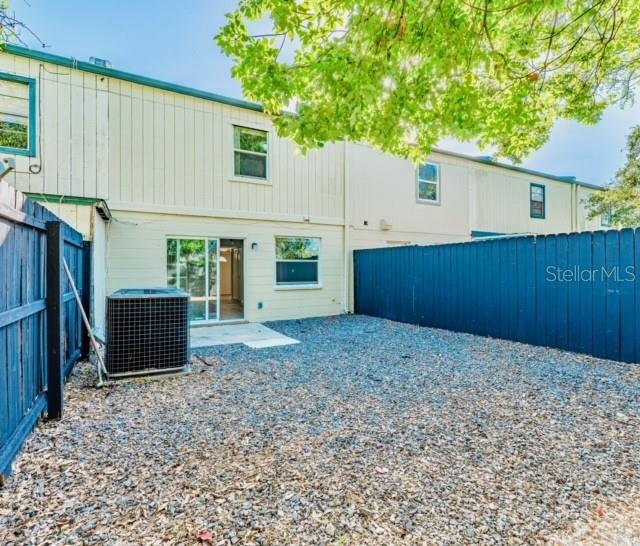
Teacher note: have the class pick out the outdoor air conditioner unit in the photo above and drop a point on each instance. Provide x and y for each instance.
(147, 332)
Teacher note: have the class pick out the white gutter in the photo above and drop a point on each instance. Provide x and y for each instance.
(346, 240)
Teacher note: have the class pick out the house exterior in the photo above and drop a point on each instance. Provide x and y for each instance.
(181, 187)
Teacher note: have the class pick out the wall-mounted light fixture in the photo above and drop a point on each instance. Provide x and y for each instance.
(254, 246)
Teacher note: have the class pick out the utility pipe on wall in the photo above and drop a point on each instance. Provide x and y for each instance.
(345, 227)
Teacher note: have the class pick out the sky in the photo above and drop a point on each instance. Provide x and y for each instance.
(174, 41)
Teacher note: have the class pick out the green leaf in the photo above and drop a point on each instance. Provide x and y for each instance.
(403, 75)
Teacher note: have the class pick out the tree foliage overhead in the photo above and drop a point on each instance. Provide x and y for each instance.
(8, 23)
(401, 73)
(12, 29)
(621, 200)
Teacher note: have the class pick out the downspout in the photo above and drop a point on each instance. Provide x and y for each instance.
(574, 216)
(345, 238)
(572, 209)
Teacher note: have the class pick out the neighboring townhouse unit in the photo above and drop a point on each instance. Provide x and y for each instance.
(181, 187)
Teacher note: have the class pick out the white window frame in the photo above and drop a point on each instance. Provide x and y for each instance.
(206, 239)
(245, 178)
(419, 199)
(297, 286)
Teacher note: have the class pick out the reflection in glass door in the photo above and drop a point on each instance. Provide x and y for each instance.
(212, 279)
(192, 266)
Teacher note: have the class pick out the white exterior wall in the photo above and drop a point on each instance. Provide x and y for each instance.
(137, 258)
(163, 162)
(147, 149)
(86, 220)
(383, 187)
(584, 223)
(80, 217)
(99, 267)
(72, 131)
(174, 153)
(500, 203)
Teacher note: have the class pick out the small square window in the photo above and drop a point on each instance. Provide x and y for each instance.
(537, 201)
(606, 220)
(429, 182)
(297, 260)
(250, 149)
(17, 115)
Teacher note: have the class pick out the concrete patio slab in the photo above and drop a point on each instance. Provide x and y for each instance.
(256, 336)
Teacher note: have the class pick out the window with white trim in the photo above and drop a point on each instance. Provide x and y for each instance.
(297, 261)
(429, 183)
(250, 152)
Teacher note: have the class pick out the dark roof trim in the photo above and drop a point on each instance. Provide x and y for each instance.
(192, 92)
(127, 76)
(101, 205)
(62, 199)
(485, 160)
(482, 234)
(485, 235)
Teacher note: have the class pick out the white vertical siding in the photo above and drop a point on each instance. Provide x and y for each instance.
(383, 187)
(585, 223)
(143, 147)
(149, 149)
(501, 202)
(77, 216)
(137, 258)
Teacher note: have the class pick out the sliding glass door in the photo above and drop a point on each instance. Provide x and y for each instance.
(192, 266)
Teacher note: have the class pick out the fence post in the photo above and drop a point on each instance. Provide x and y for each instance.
(55, 353)
(86, 296)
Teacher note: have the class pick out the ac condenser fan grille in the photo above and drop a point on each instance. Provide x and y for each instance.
(147, 331)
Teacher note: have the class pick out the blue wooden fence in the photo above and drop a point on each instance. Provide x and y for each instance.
(579, 292)
(26, 314)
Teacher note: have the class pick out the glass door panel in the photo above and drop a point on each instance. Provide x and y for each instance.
(192, 266)
(212, 284)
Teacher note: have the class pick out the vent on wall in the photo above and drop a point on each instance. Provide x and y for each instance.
(147, 331)
(385, 225)
(102, 63)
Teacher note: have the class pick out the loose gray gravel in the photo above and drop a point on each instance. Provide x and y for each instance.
(368, 432)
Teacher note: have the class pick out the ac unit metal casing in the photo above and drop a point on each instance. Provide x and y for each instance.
(147, 331)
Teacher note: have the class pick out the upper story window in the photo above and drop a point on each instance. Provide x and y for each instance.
(606, 220)
(17, 115)
(429, 183)
(537, 201)
(297, 260)
(250, 150)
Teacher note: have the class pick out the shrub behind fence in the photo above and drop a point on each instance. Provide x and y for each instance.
(579, 292)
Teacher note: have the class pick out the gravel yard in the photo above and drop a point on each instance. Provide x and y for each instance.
(367, 432)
